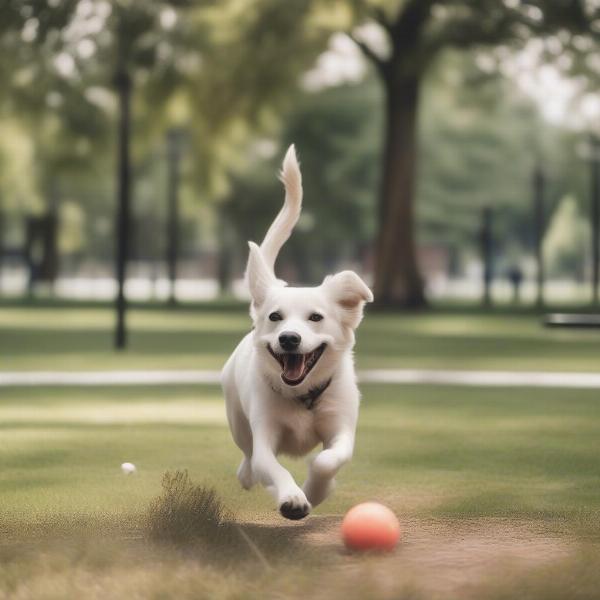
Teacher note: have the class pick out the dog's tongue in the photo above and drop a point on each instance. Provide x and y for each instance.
(293, 366)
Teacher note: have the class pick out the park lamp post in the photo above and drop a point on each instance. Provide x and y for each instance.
(487, 249)
(123, 86)
(174, 147)
(539, 186)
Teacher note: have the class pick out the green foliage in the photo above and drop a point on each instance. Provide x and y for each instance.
(480, 142)
(567, 241)
(228, 74)
(338, 150)
(17, 188)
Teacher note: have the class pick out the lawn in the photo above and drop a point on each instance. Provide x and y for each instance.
(76, 338)
(452, 452)
(497, 490)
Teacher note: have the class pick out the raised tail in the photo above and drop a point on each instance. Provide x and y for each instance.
(282, 226)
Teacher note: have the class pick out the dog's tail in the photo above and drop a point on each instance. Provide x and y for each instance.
(282, 226)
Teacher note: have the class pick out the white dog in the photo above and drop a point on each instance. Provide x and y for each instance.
(290, 383)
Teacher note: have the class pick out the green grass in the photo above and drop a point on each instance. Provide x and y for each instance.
(444, 456)
(76, 338)
(457, 452)
(471, 472)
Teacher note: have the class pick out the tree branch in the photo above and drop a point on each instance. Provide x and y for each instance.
(479, 29)
(378, 61)
(466, 33)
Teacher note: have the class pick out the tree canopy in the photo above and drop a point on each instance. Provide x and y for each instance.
(230, 75)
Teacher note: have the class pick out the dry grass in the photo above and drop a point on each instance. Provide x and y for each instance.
(187, 546)
(149, 574)
(576, 577)
(186, 513)
(188, 516)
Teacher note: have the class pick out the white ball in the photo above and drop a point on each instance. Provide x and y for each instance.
(128, 468)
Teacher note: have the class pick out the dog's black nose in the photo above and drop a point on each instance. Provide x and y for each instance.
(289, 340)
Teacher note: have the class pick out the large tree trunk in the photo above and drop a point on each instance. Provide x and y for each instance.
(398, 282)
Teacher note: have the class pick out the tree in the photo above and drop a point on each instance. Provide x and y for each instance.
(416, 33)
(237, 66)
(338, 152)
(567, 240)
(95, 45)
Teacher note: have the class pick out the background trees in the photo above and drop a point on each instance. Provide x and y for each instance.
(416, 33)
(408, 151)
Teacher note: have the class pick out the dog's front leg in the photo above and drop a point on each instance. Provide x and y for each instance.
(291, 500)
(326, 464)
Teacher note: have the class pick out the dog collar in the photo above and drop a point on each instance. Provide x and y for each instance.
(310, 398)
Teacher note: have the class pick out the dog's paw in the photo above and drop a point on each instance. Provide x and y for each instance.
(294, 506)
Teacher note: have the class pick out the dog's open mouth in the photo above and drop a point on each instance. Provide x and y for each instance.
(295, 367)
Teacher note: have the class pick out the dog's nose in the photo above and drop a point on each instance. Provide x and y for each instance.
(289, 340)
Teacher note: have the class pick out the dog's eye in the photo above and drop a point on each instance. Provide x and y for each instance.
(316, 317)
(275, 316)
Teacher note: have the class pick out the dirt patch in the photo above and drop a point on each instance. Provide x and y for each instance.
(467, 560)
(448, 559)
(438, 558)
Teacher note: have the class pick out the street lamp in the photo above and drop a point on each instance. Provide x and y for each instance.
(123, 84)
(174, 144)
(487, 249)
(539, 184)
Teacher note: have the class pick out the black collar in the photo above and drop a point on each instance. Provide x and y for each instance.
(310, 398)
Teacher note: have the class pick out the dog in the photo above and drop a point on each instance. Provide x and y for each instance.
(290, 384)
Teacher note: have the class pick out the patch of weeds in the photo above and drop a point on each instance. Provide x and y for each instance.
(186, 512)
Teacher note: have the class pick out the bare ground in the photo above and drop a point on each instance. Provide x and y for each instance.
(439, 558)
(451, 559)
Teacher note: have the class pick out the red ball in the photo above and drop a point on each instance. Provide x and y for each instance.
(370, 526)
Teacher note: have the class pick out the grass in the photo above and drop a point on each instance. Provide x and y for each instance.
(446, 457)
(456, 452)
(78, 338)
(498, 490)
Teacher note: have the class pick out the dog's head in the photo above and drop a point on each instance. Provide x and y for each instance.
(302, 333)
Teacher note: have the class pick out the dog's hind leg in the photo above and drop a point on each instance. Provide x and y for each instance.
(244, 473)
(239, 426)
(243, 438)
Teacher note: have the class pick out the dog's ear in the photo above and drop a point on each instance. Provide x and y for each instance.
(350, 293)
(258, 275)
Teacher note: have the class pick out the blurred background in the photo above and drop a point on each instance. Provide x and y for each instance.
(448, 147)
(450, 155)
